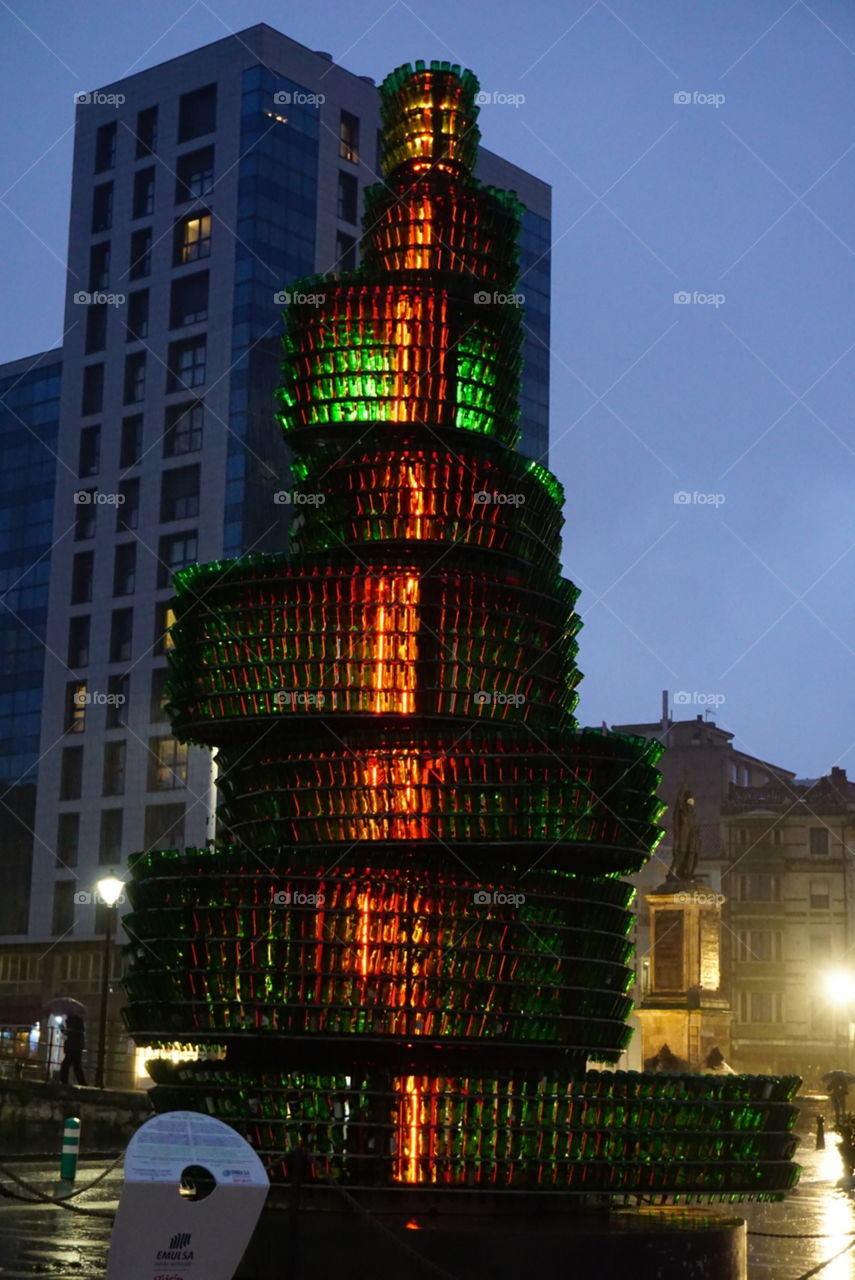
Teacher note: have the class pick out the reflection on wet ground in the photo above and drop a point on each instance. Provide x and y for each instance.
(46, 1241)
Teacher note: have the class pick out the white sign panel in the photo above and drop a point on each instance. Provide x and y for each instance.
(161, 1235)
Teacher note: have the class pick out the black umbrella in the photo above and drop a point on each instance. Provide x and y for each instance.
(66, 1005)
(838, 1077)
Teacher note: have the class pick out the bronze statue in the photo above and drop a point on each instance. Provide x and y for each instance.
(685, 836)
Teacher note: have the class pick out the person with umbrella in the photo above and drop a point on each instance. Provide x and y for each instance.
(75, 1037)
(837, 1083)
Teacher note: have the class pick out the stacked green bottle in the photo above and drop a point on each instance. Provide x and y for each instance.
(416, 934)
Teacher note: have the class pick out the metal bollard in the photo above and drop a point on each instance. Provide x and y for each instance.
(820, 1133)
(70, 1149)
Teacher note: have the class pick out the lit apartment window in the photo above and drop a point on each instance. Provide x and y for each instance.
(75, 706)
(187, 364)
(164, 618)
(92, 398)
(197, 113)
(89, 460)
(128, 507)
(146, 132)
(102, 208)
(143, 193)
(114, 769)
(78, 642)
(82, 569)
(67, 839)
(105, 147)
(818, 837)
(183, 433)
(136, 326)
(140, 254)
(125, 569)
(71, 773)
(348, 147)
(192, 238)
(179, 494)
(348, 196)
(118, 697)
(194, 175)
(99, 266)
(62, 923)
(135, 378)
(167, 764)
(96, 328)
(189, 300)
(175, 551)
(130, 448)
(121, 635)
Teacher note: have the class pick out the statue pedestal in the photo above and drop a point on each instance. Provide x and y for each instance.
(684, 1007)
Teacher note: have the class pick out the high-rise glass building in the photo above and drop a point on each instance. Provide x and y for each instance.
(202, 189)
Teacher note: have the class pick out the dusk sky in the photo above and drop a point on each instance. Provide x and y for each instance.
(739, 195)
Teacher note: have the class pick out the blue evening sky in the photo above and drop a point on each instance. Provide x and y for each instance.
(743, 194)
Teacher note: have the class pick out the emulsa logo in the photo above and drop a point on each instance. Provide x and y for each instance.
(178, 1250)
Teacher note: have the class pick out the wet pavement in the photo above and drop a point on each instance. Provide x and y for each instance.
(46, 1241)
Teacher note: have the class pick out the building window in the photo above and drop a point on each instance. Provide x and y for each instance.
(137, 322)
(189, 300)
(740, 835)
(818, 837)
(164, 617)
(192, 239)
(78, 641)
(130, 448)
(157, 707)
(71, 773)
(67, 839)
(179, 494)
(105, 147)
(110, 843)
(776, 836)
(819, 895)
(760, 1006)
(135, 377)
(121, 635)
(348, 196)
(146, 132)
(63, 908)
(197, 113)
(102, 208)
(164, 826)
(99, 266)
(194, 175)
(92, 399)
(84, 515)
(75, 706)
(114, 769)
(96, 328)
(183, 433)
(125, 569)
(128, 506)
(176, 550)
(118, 693)
(348, 134)
(187, 364)
(760, 945)
(143, 193)
(140, 259)
(89, 461)
(759, 888)
(82, 569)
(167, 765)
(345, 252)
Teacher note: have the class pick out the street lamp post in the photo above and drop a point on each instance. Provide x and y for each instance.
(840, 989)
(109, 890)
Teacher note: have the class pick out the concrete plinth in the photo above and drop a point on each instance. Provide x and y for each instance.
(471, 1237)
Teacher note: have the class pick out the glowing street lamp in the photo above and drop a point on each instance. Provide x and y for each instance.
(840, 986)
(109, 891)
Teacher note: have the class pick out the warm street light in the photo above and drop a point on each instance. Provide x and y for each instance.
(108, 891)
(840, 986)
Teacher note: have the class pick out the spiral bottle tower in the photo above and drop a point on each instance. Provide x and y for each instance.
(415, 933)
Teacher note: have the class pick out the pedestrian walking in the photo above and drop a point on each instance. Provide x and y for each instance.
(75, 1043)
(715, 1065)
